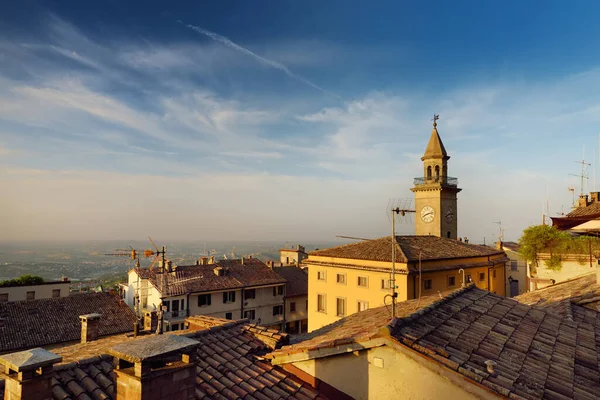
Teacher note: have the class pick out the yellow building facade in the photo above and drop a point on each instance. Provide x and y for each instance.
(355, 277)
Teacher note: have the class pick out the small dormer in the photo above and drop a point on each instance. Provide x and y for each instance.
(220, 271)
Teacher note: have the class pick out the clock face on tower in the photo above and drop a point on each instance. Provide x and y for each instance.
(449, 214)
(427, 214)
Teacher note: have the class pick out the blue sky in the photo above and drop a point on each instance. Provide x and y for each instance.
(288, 120)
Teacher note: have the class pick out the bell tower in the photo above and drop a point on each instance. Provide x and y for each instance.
(436, 192)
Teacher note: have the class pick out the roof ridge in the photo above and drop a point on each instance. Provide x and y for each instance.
(396, 322)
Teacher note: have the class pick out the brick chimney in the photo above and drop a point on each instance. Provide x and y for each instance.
(89, 327)
(156, 368)
(203, 260)
(150, 321)
(28, 373)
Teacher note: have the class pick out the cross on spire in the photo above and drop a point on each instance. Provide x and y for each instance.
(435, 118)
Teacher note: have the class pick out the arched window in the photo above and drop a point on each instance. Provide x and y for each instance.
(448, 234)
(437, 172)
(429, 173)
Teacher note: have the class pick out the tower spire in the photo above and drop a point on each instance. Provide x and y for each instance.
(435, 147)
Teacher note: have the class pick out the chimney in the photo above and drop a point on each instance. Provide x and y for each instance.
(211, 260)
(158, 367)
(28, 374)
(466, 240)
(197, 262)
(594, 197)
(583, 201)
(150, 321)
(242, 260)
(169, 266)
(89, 327)
(204, 260)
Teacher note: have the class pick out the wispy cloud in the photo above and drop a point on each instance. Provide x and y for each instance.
(271, 63)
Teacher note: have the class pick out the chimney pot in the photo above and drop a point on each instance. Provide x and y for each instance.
(490, 366)
(28, 374)
(89, 327)
(211, 260)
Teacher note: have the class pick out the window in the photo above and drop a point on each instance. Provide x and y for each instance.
(341, 307)
(451, 281)
(182, 305)
(429, 173)
(293, 306)
(514, 265)
(278, 310)
(362, 306)
(167, 305)
(481, 276)
(386, 284)
(494, 273)
(321, 303)
(55, 292)
(249, 294)
(250, 314)
(341, 278)
(228, 297)
(204, 300)
(321, 275)
(175, 327)
(306, 305)
(30, 295)
(228, 315)
(3, 297)
(277, 290)
(427, 284)
(448, 234)
(437, 172)
(362, 281)
(469, 278)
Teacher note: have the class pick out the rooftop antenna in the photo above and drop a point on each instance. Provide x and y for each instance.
(572, 190)
(397, 208)
(584, 171)
(501, 229)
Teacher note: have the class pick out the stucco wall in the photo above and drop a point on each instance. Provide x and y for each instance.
(301, 309)
(374, 295)
(385, 373)
(570, 269)
(43, 291)
(520, 274)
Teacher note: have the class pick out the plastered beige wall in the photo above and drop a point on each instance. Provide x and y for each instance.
(18, 293)
(384, 373)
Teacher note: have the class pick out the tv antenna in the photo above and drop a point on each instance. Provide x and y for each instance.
(501, 229)
(397, 208)
(584, 171)
(572, 190)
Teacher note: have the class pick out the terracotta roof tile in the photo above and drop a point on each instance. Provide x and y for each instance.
(34, 323)
(408, 249)
(201, 278)
(297, 280)
(217, 377)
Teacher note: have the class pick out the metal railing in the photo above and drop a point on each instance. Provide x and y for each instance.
(422, 180)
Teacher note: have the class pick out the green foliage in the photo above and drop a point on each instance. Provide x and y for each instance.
(23, 280)
(547, 239)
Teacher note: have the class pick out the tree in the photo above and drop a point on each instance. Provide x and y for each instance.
(544, 239)
(23, 280)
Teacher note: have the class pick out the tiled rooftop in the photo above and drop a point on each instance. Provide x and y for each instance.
(229, 366)
(297, 280)
(591, 211)
(354, 328)
(36, 323)
(201, 278)
(538, 354)
(582, 290)
(408, 249)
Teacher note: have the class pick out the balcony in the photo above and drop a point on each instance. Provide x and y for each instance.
(449, 181)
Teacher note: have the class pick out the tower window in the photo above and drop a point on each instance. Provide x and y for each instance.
(448, 234)
(429, 172)
(437, 172)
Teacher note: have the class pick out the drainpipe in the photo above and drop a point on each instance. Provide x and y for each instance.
(284, 324)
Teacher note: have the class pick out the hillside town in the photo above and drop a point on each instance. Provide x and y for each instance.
(463, 320)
